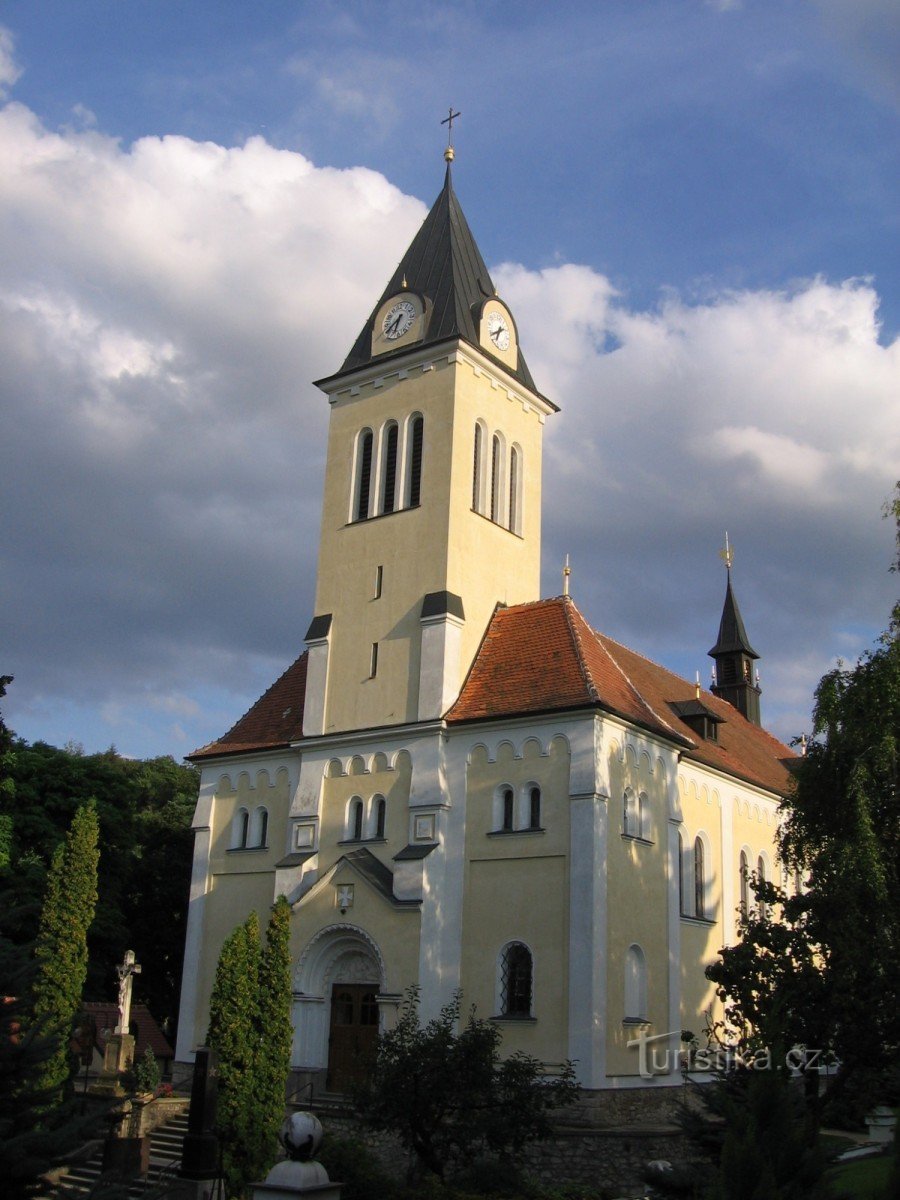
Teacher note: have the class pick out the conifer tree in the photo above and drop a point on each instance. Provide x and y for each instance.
(234, 1035)
(61, 948)
(276, 1028)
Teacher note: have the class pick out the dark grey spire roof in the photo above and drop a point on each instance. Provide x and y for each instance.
(444, 264)
(732, 634)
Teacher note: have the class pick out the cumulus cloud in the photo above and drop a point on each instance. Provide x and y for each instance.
(9, 68)
(164, 306)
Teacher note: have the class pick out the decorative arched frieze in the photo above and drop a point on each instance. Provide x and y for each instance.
(315, 966)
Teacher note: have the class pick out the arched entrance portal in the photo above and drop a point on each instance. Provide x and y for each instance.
(336, 987)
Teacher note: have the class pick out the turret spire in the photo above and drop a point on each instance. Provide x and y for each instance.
(736, 680)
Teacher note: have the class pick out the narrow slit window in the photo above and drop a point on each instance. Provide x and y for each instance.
(495, 478)
(379, 581)
(390, 471)
(356, 820)
(415, 461)
(699, 881)
(476, 472)
(373, 662)
(365, 476)
(514, 469)
(380, 813)
(508, 802)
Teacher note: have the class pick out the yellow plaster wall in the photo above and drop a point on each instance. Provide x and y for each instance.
(517, 889)
(637, 901)
(337, 792)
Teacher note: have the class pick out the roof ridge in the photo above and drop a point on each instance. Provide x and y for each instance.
(569, 607)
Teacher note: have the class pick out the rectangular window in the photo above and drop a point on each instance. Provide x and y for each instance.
(379, 580)
(373, 666)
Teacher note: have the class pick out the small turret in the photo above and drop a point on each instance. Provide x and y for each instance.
(736, 679)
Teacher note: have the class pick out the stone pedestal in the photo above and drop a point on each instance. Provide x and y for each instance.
(295, 1180)
(118, 1058)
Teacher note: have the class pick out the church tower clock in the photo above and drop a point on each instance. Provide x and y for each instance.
(432, 502)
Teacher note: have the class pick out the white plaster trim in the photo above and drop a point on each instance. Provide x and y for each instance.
(587, 984)
(187, 1013)
(676, 867)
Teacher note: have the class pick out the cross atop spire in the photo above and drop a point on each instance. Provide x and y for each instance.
(448, 121)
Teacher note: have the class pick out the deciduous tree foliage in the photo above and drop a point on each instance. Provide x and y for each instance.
(61, 950)
(144, 810)
(448, 1094)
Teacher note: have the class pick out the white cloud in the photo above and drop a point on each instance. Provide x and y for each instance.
(10, 71)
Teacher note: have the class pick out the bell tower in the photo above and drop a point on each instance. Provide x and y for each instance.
(736, 676)
(432, 505)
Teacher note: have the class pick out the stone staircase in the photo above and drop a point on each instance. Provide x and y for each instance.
(80, 1181)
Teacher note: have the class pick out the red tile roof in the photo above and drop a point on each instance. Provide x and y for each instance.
(274, 721)
(544, 657)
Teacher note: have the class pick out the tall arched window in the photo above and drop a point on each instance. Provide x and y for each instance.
(643, 816)
(762, 872)
(635, 984)
(515, 980)
(699, 880)
(389, 474)
(744, 871)
(355, 822)
(416, 437)
(534, 808)
(679, 867)
(508, 805)
(363, 475)
(496, 465)
(380, 814)
(260, 826)
(515, 472)
(241, 831)
(476, 469)
(630, 817)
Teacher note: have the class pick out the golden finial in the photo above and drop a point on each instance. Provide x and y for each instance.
(404, 284)
(448, 121)
(697, 686)
(727, 553)
(567, 571)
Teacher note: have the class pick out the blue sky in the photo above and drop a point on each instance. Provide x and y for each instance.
(691, 208)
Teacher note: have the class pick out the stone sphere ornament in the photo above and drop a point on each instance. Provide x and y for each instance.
(301, 1136)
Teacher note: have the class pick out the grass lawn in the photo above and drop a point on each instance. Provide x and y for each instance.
(865, 1179)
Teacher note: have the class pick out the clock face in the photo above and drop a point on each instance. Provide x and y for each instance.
(498, 331)
(398, 319)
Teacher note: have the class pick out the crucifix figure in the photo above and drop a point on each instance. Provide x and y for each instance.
(126, 971)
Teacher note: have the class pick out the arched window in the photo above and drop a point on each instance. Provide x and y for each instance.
(496, 464)
(699, 880)
(515, 473)
(630, 826)
(355, 822)
(363, 475)
(679, 867)
(241, 831)
(389, 473)
(508, 804)
(477, 502)
(643, 816)
(515, 980)
(635, 984)
(380, 814)
(534, 808)
(744, 871)
(416, 436)
(762, 872)
(260, 826)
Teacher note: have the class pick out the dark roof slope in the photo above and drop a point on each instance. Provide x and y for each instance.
(732, 634)
(274, 721)
(544, 657)
(443, 263)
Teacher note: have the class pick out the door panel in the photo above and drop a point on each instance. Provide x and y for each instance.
(352, 1034)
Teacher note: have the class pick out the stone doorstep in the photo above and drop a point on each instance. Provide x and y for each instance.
(616, 1131)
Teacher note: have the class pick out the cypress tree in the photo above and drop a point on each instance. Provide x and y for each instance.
(234, 1035)
(61, 949)
(275, 1026)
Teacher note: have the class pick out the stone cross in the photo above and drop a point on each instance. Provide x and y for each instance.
(126, 971)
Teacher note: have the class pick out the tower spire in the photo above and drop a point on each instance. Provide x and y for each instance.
(736, 679)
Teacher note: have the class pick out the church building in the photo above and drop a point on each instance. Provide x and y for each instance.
(460, 784)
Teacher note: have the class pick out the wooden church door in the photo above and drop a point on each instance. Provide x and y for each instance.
(353, 1033)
